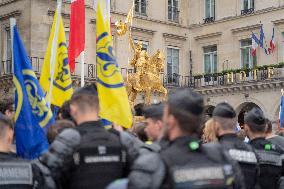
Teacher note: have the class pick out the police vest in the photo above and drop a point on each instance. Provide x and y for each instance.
(212, 174)
(270, 163)
(249, 165)
(99, 160)
(16, 175)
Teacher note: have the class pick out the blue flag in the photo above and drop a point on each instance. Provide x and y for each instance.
(261, 37)
(281, 112)
(32, 115)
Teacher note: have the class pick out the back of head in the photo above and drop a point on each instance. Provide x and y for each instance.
(255, 120)
(6, 130)
(86, 99)
(64, 111)
(225, 115)
(57, 128)
(7, 106)
(154, 111)
(187, 106)
(268, 129)
(208, 132)
(139, 131)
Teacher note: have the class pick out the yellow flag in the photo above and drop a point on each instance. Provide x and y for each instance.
(114, 104)
(62, 85)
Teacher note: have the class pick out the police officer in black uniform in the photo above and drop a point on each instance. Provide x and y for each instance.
(104, 155)
(15, 173)
(225, 121)
(185, 163)
(269, 155)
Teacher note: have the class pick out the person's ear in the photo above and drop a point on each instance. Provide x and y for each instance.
(159, 124)
(172, 121)
(216, 127)
(10, 135)
(73, 111)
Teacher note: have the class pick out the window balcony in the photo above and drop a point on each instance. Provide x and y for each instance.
(209, 20)
(247, 11)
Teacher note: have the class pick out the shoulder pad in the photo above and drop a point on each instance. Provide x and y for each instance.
(214, 151)
(131, 145)
(148, 162)
(129, 140)
(154, 147)
(148, 172)
(16, 173)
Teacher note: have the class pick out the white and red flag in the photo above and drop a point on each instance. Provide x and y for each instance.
(255, 43)
(77, 31)
(272, 43)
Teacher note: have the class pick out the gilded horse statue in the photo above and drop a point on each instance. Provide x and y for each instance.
(146, 76)
(149, 80)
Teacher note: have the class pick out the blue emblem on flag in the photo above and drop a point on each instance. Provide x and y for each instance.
(32, 115)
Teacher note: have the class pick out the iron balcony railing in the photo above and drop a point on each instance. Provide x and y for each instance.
(232, 77)
(209, 19)
(247, 11)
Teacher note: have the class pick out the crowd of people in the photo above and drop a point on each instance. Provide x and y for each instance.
(174, 147)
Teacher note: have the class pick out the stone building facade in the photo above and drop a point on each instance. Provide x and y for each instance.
(204, 42)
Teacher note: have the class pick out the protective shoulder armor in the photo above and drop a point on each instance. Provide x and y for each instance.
(148, 171)
(131, 144)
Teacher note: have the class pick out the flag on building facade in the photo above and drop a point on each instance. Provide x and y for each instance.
(77, 31)
(281, 112)
(255, 43)
(33, 115)
(262, 41)
(261, 37)
(272, 44)
(62, 84)
(114, 104)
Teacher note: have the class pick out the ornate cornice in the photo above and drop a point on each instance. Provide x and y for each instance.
(173, 36)
(278, 22)
(151, 32)
(15, 13)
(246, 28)
(64, 15)
(7, 2)
(230, 18)
(252, 86)
(216, 34)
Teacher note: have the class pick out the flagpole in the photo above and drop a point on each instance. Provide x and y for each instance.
(12, 25)
(54, 50)
(82, 62)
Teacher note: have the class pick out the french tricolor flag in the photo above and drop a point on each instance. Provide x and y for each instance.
(255, 43)
(272, 43)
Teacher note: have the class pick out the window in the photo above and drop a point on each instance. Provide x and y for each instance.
(145, 44)
(172, 63)
(247, 7)
(140, 7)
(67, 32)
(8, 45)
(7, 51)
(173, 12)
(209, 11)
(210, 59)
(247, 60)
(282, 46)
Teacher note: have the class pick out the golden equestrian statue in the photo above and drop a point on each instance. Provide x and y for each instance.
(146, 76)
